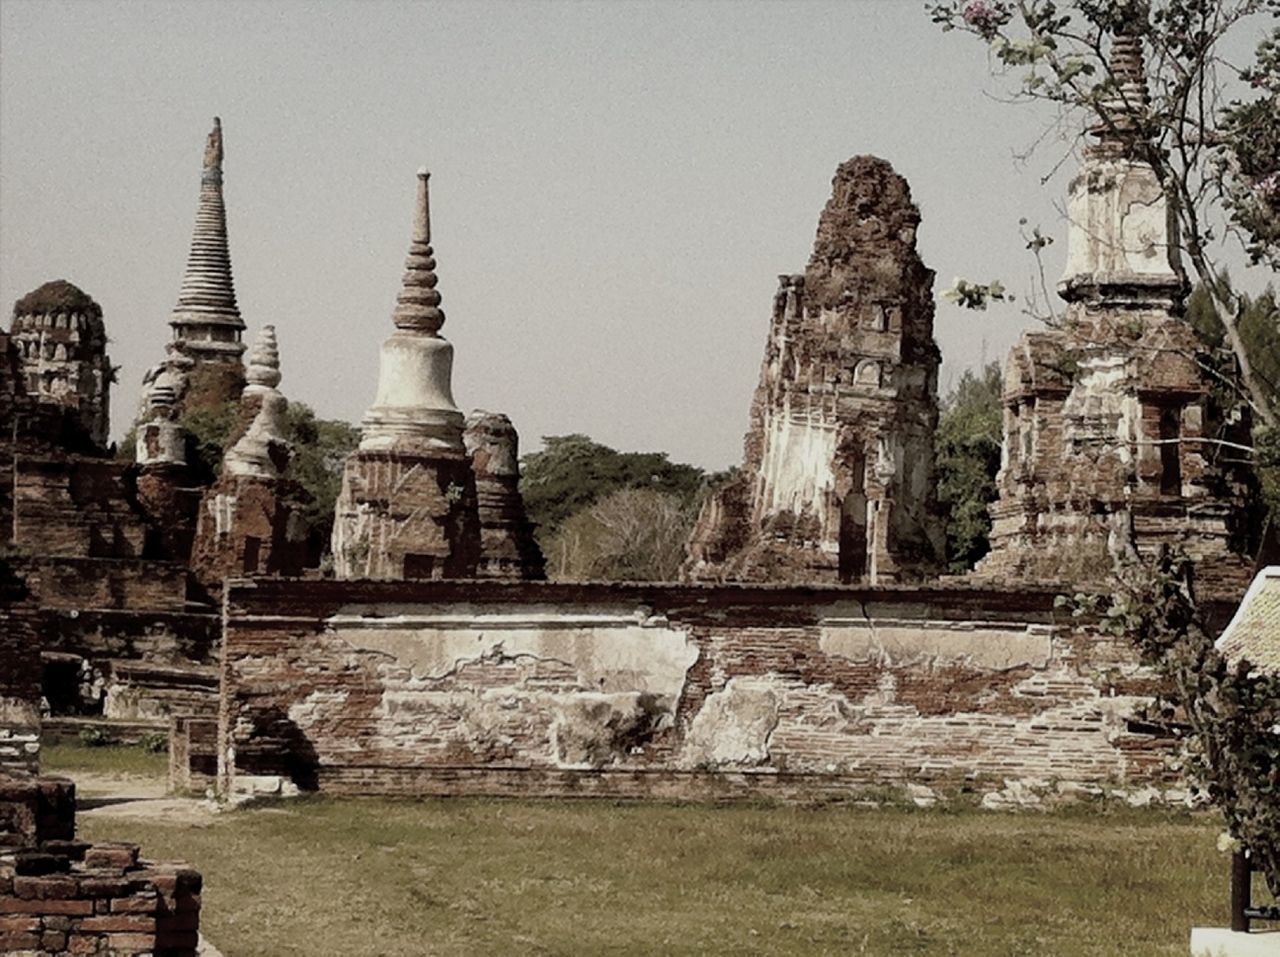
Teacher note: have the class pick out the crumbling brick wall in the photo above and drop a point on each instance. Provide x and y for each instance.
(632, 690)
(193, 753)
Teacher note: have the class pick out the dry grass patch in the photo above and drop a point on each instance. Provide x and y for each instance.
(483, 877)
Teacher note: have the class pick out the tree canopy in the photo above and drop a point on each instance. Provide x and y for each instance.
(572, 472)
(967, 451)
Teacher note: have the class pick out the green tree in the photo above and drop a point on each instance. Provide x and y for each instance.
(967, 450)
(1259, 317)
(572, 472)
(1211, 130)
(1231, 709)
(320, 450)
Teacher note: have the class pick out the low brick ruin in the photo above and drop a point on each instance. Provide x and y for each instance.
(838, 482)
(673, 691)
(59, 895)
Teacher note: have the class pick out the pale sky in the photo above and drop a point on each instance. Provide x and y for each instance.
(615, 186)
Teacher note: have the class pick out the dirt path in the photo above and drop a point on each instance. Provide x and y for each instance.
(114, 794)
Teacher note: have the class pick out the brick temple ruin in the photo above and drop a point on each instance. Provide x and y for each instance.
(125, 561)
(58, 894)
(838, 481)
(1112, 441)
(814, 650)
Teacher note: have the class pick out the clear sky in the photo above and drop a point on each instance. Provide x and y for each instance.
(615, 186)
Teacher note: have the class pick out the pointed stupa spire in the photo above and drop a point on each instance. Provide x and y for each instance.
(262, 451)
(206, 316)
(414, 410)
(418, 304)
(264, 361)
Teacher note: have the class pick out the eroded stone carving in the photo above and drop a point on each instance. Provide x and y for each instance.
(60, 341)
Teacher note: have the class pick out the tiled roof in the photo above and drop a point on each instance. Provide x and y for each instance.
(1254, 632)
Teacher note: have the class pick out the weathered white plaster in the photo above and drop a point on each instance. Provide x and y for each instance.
(797, 465)
(938, 643)
(733, 726)
(608, 655)
(1120, 224)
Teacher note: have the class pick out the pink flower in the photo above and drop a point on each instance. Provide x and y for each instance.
(986, 18)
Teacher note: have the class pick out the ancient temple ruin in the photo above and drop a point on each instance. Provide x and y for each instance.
(59, 337)
(63, 493)
(1112, 441)
(420, 500)
(838, 482)
(408, 502)
(246, 523)
(203, 356)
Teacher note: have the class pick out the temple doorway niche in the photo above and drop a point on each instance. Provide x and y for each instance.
(853, 529)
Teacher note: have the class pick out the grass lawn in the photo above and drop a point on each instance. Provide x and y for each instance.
(379, 877)
(67, 758)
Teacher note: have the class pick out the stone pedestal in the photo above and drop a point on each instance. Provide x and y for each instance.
(1223, 942)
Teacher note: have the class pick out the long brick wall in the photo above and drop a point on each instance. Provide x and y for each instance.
(670, 691)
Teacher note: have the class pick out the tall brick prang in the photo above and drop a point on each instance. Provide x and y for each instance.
(838, 480)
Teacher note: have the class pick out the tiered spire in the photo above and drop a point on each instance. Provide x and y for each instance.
(206, 316)
(264, 360)
(418, 304)
(263, 451)
(414, 410)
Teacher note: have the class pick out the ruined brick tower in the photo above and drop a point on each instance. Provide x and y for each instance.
(246, 522)
(408, 503)
(508, 548)
(838, 479)
(60, 340)
(204, 355)
(1109, 425)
